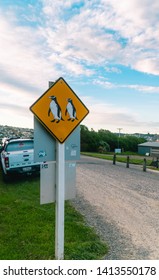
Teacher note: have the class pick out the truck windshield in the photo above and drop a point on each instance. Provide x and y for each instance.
(19, 146)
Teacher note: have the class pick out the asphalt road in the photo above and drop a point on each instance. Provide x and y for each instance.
(122, 204)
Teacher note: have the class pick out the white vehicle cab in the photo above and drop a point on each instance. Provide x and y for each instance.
(17, 156)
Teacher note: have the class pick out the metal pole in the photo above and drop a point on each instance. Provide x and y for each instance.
(60, 201)
(119, 135)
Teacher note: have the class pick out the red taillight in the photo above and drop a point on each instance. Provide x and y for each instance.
(6, 160)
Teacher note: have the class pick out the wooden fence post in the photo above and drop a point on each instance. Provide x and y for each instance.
(144, 165)
(127, 163)
(114, 159)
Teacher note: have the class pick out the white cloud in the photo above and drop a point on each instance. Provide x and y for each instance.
(104, 83)
(133, 17)
(108, 116)
(112, 70)
(143, 88)
(135, 25)
(22, 56)
(78, 38)
(96, 35)
(148, 65)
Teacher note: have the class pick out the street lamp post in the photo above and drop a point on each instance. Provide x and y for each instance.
(119, 135)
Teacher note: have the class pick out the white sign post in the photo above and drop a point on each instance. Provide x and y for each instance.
(60, 201)
(60, 111)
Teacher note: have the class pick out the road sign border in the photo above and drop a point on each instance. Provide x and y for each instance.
(44, 123)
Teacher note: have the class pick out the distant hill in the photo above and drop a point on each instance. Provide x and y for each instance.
(10, 131)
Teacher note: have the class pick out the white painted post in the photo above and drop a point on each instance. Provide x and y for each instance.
(60, 200)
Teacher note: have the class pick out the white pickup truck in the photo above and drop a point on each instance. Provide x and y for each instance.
(17, 156)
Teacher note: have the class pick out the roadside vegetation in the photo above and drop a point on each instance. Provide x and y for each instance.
(27, 229)
(102, 144)
(106, 141)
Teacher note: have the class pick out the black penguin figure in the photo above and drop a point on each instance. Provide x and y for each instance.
(55, 110)
(71, 110)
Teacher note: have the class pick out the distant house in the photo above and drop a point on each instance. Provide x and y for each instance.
(148, 148)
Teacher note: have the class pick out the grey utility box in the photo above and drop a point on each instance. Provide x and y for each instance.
(45, 144)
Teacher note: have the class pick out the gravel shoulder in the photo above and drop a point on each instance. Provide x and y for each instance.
(122, 204)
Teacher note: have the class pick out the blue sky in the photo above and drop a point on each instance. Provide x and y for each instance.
(106, 50)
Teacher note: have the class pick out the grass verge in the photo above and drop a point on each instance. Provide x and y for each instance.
(119, 158)
(27, 229)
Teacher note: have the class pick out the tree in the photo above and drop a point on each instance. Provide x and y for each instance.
(104, 141)
(103, 147)
(130, 143)
(84, 138)
(108, 137)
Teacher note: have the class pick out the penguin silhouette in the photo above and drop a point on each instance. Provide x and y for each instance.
(55, 110)
(71, 110)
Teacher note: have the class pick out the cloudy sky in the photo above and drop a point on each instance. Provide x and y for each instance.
(106, 50)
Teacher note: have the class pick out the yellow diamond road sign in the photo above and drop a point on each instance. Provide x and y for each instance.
(60, 110)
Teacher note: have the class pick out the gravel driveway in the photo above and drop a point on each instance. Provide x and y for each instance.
(122, 204)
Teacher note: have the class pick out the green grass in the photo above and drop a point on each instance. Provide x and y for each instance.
(133, 159)
(27, 229)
